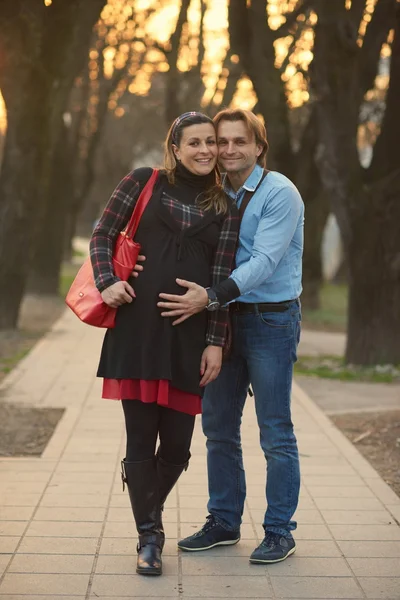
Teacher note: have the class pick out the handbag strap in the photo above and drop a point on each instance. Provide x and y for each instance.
(248, 196)
(141, 204)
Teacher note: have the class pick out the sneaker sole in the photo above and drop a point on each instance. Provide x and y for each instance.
(227, 543)
(258, 561)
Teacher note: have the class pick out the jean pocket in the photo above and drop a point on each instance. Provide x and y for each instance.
(278, 320)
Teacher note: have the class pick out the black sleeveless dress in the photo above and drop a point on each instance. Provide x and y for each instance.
(144, 345)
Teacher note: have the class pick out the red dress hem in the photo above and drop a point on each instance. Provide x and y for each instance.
(149, 391)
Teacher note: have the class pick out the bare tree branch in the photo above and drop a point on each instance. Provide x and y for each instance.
(302, 7)
(383, 19)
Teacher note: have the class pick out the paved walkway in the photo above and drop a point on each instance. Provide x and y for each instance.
(66, 530)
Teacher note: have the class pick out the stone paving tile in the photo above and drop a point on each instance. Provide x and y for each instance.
(64, 529)
(16, 513)
(316, 548)
(226, 587)
(364, 517)
(52, 500)
(88, 477)
(25, 476)
(85, 467)
(8, 544)
(316, 587)
(19, 499)
(134, 585)
(49, 563)
(297, 566)
(79, 488)
(36, 597)
(376, 567)
(58, 545)
(16, 463)
(323, 491)
(47, 513)
(348, 504)
(368, 549)
(345, 481)
(24, 583)
(126, 564)
(17, 487)
(133, 597)
(312, 532)
(366, 532)
(386, 588)
(12, 527)
(204, 564)
(4, 560)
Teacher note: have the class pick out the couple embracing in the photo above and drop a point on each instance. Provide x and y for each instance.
(222, 268)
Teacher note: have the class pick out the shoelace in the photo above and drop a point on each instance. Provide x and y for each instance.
(209, 524)
(271, 539)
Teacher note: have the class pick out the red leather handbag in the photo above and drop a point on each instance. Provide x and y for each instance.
(83, 298)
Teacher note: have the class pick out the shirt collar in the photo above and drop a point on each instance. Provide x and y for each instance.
(250, 184)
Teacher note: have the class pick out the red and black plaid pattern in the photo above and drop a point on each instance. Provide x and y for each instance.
(115, 217)
(185, 215)
(113, 220)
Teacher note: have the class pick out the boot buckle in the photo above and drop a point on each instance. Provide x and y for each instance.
(123, 475)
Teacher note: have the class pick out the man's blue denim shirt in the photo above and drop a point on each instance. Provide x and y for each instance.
(269, 255)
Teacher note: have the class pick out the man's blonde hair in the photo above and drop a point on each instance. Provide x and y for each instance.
(253, 125)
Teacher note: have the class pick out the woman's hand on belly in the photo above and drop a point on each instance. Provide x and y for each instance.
(210, 366)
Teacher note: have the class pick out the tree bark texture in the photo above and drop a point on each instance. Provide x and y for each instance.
(365, 202)
(41, 49)
(253, 40)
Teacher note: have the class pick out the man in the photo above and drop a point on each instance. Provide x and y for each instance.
(265, 285)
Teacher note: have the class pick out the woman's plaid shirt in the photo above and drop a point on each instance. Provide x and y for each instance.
(116, 216)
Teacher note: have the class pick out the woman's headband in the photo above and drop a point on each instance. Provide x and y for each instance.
(181, 118)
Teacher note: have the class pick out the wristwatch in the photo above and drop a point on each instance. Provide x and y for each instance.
(213, 303)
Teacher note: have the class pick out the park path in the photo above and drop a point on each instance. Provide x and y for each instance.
(66, 529)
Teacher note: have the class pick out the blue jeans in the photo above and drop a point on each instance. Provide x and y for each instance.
(263, 354)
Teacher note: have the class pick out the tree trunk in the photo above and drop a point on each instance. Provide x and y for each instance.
(317, 209)
(39, 49)
(367, 208)
(20, 181)
(374, 286)
(50, 239)
(253, 40)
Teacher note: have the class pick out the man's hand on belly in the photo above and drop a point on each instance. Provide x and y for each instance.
(194, 301)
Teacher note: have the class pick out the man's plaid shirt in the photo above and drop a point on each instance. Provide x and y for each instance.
(116, 216)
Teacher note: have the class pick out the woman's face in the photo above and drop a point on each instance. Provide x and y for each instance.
(197, 150)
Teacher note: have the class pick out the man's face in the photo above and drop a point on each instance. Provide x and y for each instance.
(237, 147)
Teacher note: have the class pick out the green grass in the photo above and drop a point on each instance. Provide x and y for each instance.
(333, 367)
(332, 316)
(78, 253)
(68, 273)
(7, 363)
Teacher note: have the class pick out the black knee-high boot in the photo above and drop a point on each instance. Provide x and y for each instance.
(141, 479)
(168, 474)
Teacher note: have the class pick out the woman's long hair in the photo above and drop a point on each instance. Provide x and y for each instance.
(213, 198)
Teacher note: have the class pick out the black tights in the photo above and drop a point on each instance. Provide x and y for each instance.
(145, 422)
